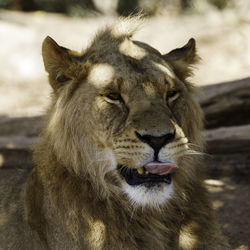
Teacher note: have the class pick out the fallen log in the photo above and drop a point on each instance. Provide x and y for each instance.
(226, 104)
(228, 151)
(22, 126)
(227, 140)
(17, 137)
(15, 151)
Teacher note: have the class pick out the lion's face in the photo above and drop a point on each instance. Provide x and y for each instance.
(130, 101)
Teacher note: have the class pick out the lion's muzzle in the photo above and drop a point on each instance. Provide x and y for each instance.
(132, 177)
(154, 172)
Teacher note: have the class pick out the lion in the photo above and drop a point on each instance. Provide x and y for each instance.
(119, 163)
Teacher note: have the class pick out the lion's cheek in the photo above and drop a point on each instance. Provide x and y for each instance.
(107, 117)
(124, 161)
(182, 114)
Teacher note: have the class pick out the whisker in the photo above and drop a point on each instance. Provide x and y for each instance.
(177, 153)
(194, 152)
(133, 211)
(193, 144)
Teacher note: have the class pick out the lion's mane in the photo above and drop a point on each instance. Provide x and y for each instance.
(75, 197)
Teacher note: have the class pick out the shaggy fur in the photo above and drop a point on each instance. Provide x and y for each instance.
(75, 197)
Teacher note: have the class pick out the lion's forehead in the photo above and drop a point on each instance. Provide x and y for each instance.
(133, 62)
(152, 82)
(103, 77)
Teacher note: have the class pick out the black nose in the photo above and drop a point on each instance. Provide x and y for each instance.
(156, 142)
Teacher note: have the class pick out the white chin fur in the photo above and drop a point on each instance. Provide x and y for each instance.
(154, 197)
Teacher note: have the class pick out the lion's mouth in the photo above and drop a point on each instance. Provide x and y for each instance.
(153, 172)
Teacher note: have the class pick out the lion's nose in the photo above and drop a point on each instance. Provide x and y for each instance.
(156, 142)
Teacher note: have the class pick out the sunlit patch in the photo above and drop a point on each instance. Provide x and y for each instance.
(149, 89)
(242, 247)
(100, 102)
(166, 71)
(152, 197)
(213, 189)
(97, 234)
(130, 49)
(101, 75)
(187, 238)
(3, 218)
(216, 183)
(56, 115)
(1, 160)
(217, 204)
(214, 186)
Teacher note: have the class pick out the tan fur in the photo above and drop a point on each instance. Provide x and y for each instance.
(74, 198)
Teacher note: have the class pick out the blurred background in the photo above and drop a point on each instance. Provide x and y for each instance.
(222, 31)
(221, 28)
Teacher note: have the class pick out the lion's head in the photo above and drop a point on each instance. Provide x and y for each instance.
(124, 115)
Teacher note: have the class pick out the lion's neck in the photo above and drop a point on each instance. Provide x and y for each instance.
(80, 211)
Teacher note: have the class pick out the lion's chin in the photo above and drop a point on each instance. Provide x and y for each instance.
(146, 190)
(150, 195)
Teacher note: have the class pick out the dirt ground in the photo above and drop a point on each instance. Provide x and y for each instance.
(231, 200)
(223, 41)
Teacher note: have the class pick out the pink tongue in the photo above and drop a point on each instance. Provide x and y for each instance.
(161, 168)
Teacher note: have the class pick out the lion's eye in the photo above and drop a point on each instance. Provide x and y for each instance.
(63, 78)
(172, 95)
(114, 97)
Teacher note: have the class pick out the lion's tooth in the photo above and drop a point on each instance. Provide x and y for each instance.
(140, 170)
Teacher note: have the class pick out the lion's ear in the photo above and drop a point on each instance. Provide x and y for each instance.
(57, 62)
(182, 59)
